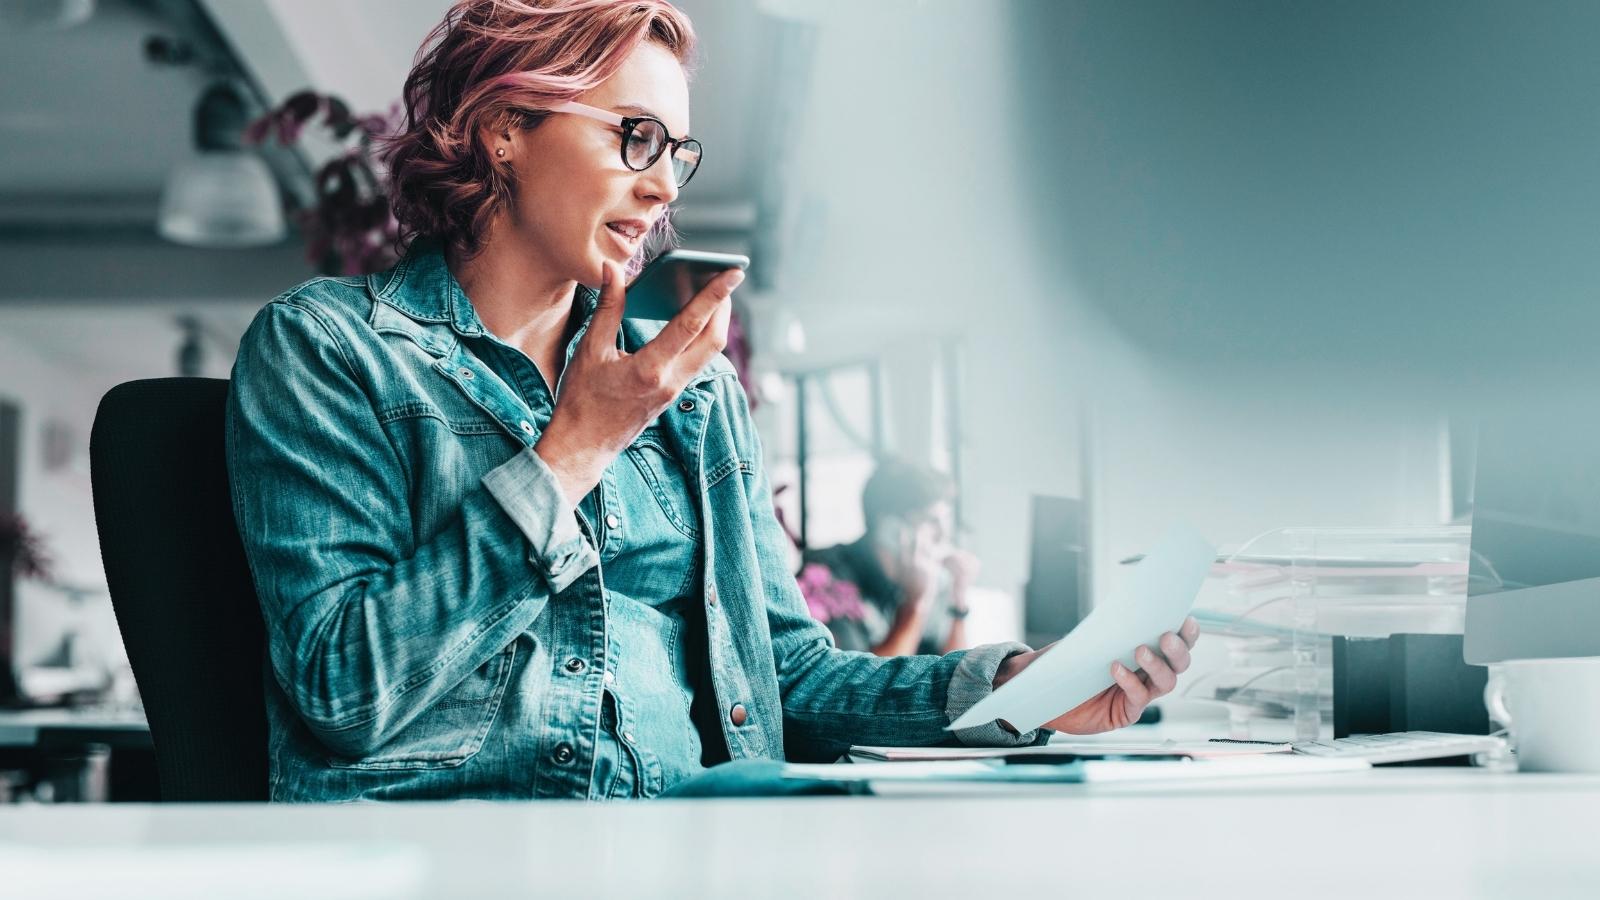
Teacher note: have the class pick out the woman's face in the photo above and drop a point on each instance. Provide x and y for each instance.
(570, 178)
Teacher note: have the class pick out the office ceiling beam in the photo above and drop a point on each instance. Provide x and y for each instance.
(134, 265)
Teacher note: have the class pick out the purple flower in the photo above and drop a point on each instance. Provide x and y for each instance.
(827, 597)
(257, 131)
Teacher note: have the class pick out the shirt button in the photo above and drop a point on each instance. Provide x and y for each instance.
(610, 677)
(627, 736)
(575, 665)
(612, 521)
(711, 595)
(562, 754)
(686, 406)
(525, 425)
(737, 714)
(466, 373)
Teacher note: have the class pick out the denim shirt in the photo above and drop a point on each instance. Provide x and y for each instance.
(646, 531)
(437, 619)
(650, 566)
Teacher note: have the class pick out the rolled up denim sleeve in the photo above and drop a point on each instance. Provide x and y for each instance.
(368, 622)
(972, 681)
(532, 496)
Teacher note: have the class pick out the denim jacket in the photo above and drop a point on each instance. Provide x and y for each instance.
(435, 612)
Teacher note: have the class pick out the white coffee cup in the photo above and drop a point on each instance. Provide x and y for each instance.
(1553, 709)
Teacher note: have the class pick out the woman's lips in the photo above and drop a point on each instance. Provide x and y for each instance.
(630, 244)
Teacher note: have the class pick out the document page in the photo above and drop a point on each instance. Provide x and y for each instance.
(1156, 596)
(1192, 749)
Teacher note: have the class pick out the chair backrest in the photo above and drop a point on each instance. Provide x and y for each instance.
(179, 584)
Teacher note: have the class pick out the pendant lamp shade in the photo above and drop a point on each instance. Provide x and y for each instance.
(222, 195)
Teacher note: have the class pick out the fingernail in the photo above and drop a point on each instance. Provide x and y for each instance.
(736, 279)
(1143, 654)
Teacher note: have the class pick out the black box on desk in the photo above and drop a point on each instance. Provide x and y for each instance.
(1406, 682)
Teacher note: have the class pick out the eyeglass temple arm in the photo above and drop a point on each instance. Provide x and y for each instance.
(610, 118)
(583, 109)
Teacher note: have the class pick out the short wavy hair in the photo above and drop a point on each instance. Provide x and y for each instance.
(899, 488)
(494, 63)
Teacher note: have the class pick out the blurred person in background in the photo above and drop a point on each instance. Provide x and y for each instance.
(912, 578)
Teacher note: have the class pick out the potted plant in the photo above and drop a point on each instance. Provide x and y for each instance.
(349, 228)
(24, 549)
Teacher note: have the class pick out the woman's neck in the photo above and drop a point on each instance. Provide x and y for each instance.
(519, 301)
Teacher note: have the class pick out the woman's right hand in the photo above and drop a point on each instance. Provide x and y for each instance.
(608, 395)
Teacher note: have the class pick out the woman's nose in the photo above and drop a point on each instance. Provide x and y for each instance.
(658, 183)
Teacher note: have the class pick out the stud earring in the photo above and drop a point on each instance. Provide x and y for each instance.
(500, 151)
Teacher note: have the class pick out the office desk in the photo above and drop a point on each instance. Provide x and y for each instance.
(1391, 832)
(73, 726)
(89, 753)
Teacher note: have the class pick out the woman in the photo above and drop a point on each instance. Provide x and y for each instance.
(507, 543)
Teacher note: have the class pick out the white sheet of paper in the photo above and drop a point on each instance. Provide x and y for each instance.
(1158, 593)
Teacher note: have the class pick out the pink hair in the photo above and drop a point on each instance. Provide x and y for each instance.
(495, 63)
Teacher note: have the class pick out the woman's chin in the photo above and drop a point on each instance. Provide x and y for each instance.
(608, 255)
(597, 273)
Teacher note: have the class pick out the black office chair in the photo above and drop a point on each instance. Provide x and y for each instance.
(180, 585)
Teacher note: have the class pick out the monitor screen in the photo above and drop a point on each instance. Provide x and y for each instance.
(1535, 584)
(1536, 503)
(1058, 569)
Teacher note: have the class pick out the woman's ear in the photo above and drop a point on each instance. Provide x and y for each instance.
(497, 143)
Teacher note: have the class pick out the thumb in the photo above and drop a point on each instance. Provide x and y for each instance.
(608, 311)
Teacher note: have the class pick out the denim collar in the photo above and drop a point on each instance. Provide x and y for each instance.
(422, 287)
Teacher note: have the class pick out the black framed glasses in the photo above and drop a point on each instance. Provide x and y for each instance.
(644, 139)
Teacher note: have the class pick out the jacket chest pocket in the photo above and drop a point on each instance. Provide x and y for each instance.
(444, 457)
(453, 729)
(668, 481)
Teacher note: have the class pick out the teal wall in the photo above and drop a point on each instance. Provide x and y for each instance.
(1356, 192)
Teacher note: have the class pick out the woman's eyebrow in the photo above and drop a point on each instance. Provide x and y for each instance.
(639, 110)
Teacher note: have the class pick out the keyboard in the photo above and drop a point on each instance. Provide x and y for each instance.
(1401, 746)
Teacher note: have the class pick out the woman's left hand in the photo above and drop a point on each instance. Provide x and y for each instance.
(1122, 703)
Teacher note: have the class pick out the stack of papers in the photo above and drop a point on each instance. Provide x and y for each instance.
(1057, 748)
(935, 772)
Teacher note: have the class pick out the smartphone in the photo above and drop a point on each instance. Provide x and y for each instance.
(672, 279)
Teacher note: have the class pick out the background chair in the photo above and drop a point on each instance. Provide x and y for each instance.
(180, 585)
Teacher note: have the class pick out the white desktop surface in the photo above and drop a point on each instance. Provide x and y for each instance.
(1389, 832)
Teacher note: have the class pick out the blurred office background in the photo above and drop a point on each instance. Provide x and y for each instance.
(1248, 265)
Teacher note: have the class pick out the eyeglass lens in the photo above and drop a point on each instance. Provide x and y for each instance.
(645, 143)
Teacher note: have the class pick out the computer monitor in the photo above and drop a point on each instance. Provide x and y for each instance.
(1057, 595)
(1534, 590)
